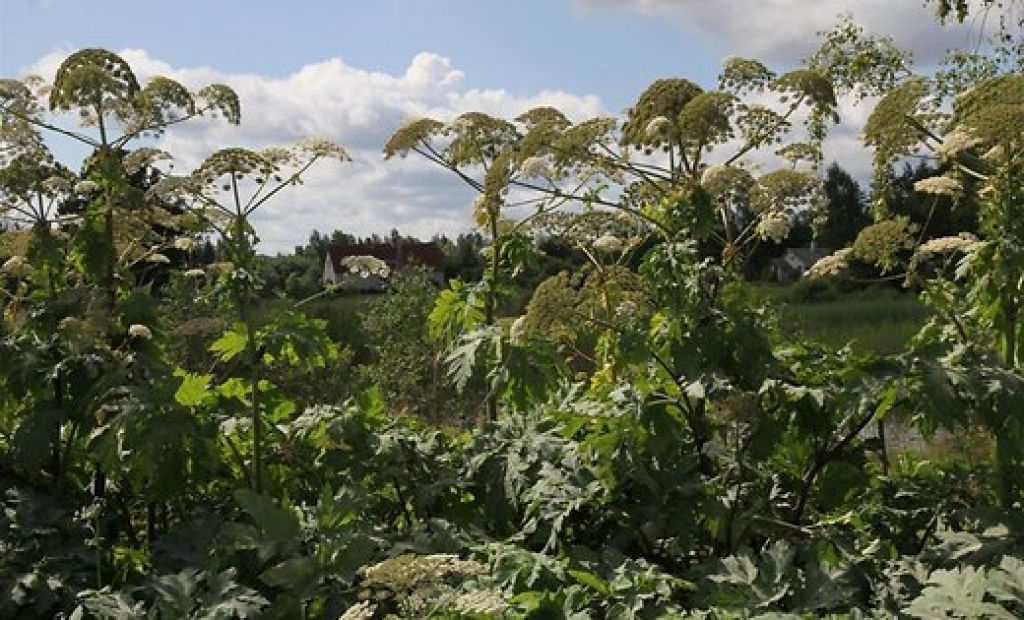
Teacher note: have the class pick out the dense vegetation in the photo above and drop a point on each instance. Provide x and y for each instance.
(648, 439)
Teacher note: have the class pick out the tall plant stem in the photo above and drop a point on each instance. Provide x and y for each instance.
(243, 255)
(1006, 474)
(489, 309)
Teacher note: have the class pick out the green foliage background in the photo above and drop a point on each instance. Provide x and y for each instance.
(646, 437)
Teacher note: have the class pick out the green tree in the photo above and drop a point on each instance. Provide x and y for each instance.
(847, 211)
(406, 363)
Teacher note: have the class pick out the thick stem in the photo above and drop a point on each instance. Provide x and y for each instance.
(821, 459)
(489, 308)
(243, 259)
(57, 463)
(257, 418)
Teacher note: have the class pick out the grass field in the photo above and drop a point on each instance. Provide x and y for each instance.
(880, 320)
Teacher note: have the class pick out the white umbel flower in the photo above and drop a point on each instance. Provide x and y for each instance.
(656, 126)
(533, 167)
(481, 602)
(517, 330)
(608, 243)
(774, 225)
(366, 266)
(363, 610)
(964, 242)
(184, 243)
(86, 187)
(956, 142)
(140, 331)
(832, 265)
(16, 267)
(940, 186)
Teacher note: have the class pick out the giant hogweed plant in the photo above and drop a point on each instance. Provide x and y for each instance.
(676, 170)
(85, 376)
(967, 116)
(225, 191)
(701, 368)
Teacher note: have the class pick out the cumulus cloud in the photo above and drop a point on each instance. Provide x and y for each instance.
(785, 30)
(358, 109)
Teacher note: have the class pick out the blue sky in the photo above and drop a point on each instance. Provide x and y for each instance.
(520, 45)
(353, 70)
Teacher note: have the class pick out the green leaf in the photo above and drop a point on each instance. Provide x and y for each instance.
(275, 521)
(177, 592)
(590, 580)
(231, 344)
(463, 358)
(291, 573)
(35, 435)
(194, 389)
(957, 593)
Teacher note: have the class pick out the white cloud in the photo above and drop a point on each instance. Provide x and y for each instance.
(785, 30)
(358, 109)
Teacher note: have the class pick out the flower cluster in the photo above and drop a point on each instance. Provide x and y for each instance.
(657, 126)
(16, 267)
(940, 246)
(86, 187)
(832, 265)
(362, 610)
(320, 147)
(741, 74)
(626, 311)
(412, 132)
(789, 190)
(517, 330)
(172, 188)
(366, 266)
(940, 186)
(956, 142)
(480, 603)
(140, 331)
(55, 184)
(407, 571)
(533, 167)
(774, 225)
(726, 182)
(140, 158)
(608, 243)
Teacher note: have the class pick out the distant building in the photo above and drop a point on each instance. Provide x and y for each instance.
(398, 256)
(795, 261)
